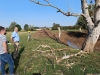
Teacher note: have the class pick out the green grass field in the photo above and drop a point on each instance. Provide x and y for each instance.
(42, 61)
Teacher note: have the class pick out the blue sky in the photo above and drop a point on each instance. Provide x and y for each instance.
(26, 12)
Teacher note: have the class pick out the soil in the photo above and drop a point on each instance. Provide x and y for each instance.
(76, 38)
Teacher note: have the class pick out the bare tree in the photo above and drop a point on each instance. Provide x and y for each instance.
(93, 28)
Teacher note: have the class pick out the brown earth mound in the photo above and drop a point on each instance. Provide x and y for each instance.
(75, 37)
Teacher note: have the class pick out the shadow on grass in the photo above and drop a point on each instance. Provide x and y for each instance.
(77, 34)
(36, 74)
(16, 61)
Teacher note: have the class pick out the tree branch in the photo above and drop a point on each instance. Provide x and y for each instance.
(85, 11)
(58, 10)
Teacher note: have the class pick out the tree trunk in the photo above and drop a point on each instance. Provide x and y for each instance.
(91, 40)
(93, 36)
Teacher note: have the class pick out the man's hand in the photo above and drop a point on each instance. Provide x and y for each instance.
(6, 52)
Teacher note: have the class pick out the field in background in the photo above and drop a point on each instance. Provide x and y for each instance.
(42, 61)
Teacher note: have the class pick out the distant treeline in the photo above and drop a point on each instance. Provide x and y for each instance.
(55, 26)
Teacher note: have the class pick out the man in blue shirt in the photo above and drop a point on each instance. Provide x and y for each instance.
(15, 40)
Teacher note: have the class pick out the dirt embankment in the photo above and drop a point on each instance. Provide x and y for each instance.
(75, 37)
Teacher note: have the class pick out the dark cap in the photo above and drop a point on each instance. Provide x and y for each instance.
(1, 28)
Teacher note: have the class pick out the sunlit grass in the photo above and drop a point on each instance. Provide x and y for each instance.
(39, 63)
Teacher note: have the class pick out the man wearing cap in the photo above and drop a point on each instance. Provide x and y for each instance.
(5, 57)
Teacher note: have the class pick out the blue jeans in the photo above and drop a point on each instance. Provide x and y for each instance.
(7, 58)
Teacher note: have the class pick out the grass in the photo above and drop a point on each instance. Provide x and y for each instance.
(33, 62)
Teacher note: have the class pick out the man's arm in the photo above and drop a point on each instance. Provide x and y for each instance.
(4, 43)
(12, 39)
(5, 46)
